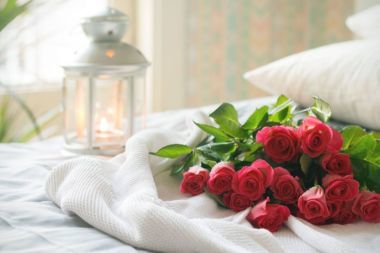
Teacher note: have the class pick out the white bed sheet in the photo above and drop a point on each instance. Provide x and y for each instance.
(30, 222)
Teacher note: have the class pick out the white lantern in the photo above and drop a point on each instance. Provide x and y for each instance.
(104, 88)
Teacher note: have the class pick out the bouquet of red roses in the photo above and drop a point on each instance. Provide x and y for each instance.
(284, 161)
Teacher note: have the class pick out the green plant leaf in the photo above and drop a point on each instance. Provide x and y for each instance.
(321, 109)
(183, 165)
(360, 168)
(173, 151)
(350, 134)
(216, 132)
(282, 111)
(257, 119)
(373, 180)
(305, 162)
(375, 155)
(216, 198)
(10, 11)
(221, 147)
(217, 151)
(226, 117)
(362, 146)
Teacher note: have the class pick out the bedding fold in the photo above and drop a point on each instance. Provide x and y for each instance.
(132, 197)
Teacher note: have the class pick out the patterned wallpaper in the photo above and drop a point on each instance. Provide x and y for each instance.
(226, 38)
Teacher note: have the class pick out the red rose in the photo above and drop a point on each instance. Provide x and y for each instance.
(253, 180)
(194, 180)
(367, 206)
(337, 163)
(285, 187)
(268, 216)
(280, 142)
(315, 136)
(312, 205)
(221, 178)
(334, 207)
(345, 214)
(340, 188)
(235, 201)
(336, 142)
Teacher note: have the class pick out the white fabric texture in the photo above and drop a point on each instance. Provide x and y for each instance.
(346, 75)
(365, 24)
(133, 198)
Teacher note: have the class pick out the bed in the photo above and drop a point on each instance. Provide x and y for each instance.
(31, 222)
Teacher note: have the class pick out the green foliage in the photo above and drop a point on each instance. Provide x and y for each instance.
(4, 120)
(258, 119)
(231, 141)
(364, 151)
(282, 111)
(10, 11)
(226, 117)
(173, 151)
(216, 132)
(321, 109)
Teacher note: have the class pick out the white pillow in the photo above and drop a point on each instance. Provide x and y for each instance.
(365, 24)
(346, 75)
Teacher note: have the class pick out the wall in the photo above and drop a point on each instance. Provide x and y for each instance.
(227, 38)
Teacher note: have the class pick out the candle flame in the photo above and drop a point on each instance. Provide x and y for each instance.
(104, 125)
(110, 53)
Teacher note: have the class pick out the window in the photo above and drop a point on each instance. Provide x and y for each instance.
(35, 45)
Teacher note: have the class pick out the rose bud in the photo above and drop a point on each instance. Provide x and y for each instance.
(221, 178)
(367, 206)
(236, 202)
(285, 187)
(336, 142)
(337, 163)
(253, 180)
(340, 188)
(194, 180)
(312, 205)
(315, 136)
(345, 215)
(268, 216)
(281, 143)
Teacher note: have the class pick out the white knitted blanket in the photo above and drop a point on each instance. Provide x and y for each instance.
(133, 198)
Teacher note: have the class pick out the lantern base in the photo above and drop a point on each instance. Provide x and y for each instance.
(109, 151)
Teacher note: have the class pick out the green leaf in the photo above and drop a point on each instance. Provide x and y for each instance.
(227, 118)
(305, 162)
(257, 119)
(182, 166)
(217, 151)
(321, 109)
(373, 180)
(216, 132)
(173, 151)
(282, 111)
(221, 147)
(362, 146)
(375, 155)
(253, 147)
(216, 198)
(350, 134)
(361, 170)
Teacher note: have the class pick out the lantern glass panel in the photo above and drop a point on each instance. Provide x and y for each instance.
(76, 113)
(110, 114)
(102, 112)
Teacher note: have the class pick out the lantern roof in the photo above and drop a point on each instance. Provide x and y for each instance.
(106, 53)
